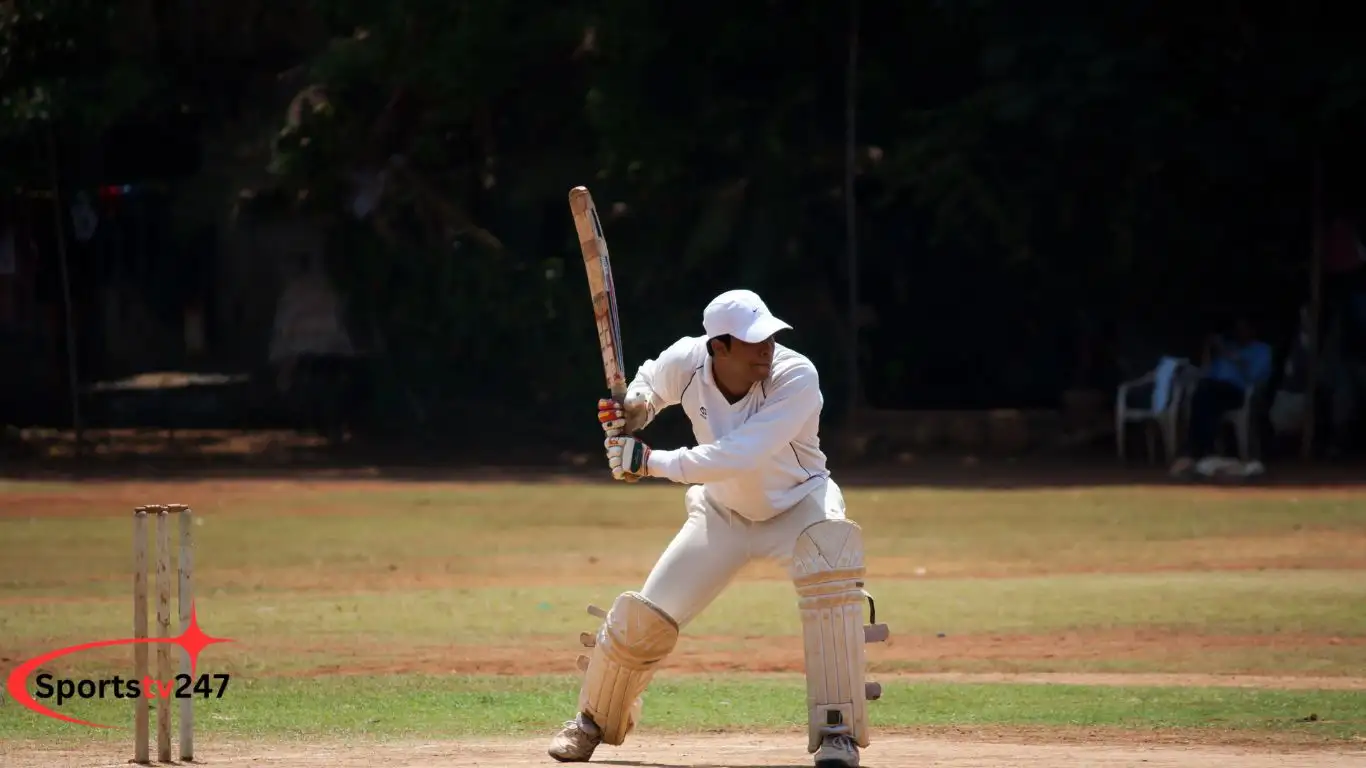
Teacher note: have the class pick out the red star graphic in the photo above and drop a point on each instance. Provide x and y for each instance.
(194, 641)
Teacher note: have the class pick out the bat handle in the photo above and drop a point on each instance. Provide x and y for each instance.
(618, 393)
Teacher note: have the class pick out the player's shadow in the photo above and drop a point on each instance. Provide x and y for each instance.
(643, 764)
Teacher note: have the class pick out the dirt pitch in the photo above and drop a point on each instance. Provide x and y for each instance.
(1010, 750)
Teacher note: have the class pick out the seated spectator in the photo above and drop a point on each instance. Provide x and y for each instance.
(1231, 366)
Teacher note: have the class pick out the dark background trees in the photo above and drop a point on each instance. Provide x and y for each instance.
(1027, 182)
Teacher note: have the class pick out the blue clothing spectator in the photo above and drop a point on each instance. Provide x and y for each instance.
(1233, 365)
(1242, 364)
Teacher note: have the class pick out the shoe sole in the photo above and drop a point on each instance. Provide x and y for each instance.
(569, 759)
(835, 763)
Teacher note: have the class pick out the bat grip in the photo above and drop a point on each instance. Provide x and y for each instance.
(619, 394)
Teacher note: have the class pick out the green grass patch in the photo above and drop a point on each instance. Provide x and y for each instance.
(309, 574)
(286, 631)
(450, 707)
(1321, 602)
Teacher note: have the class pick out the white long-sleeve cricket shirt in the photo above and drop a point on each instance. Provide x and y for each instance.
(758, 456)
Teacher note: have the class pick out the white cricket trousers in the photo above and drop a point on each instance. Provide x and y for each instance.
(715, 543)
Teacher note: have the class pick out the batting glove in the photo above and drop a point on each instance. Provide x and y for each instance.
(612, 417)
(628, 457)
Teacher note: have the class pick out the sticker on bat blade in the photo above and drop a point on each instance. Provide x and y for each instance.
(612, 312)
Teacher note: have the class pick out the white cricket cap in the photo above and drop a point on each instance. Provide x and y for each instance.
(741, 314)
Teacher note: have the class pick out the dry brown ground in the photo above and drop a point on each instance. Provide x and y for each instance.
(713, 654)
(554, 654)
(993, 747)
(981, 748)
(118, 490)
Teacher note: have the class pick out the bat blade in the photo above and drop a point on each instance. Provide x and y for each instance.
(598, 264)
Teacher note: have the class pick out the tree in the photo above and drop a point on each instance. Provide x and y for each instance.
(1080, 157)
(1145, 121)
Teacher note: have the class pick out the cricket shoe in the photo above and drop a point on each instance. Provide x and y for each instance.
(575, 744)
(837, 751)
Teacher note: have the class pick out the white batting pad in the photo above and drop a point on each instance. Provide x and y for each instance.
(828, 570)
(633, 639)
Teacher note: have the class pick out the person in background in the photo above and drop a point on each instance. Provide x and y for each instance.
(1232, 365)
(311, 349)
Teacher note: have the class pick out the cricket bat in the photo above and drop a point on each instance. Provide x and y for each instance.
(599, 267)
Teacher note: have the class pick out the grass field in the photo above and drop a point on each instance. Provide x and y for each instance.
(405, 614)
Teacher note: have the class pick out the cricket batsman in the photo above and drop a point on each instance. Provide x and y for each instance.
(757, 487)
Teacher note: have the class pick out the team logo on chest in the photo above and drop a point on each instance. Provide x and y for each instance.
(702, 411)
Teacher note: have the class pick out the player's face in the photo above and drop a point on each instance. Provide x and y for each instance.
(753, 361)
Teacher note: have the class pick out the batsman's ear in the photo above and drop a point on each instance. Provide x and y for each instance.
(717, 343)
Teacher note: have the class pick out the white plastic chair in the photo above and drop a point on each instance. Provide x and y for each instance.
(1166, 420)
(1244, 426)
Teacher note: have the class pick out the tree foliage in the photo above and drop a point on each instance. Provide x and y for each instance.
(1130, 132)
(1080, 157)
(1082, 149)
(61, 70)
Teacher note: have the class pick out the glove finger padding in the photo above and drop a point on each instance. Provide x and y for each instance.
(611, 416)
(628, 458)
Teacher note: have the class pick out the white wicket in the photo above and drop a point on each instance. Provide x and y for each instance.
(184, 600)
(140, 707)
(164, 633)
